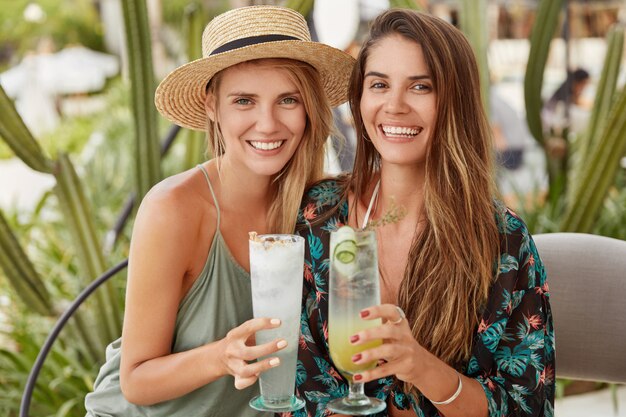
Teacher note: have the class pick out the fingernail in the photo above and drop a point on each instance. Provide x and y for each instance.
(274, 362)
(275, 322)
(354, 339)
(357, 377)
(365, 313)
(281, 344)
(357, 357)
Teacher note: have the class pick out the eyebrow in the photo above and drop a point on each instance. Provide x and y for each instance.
(252, 95)
(241, 93)
(381, 75)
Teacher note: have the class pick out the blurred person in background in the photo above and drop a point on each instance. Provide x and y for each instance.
(510, 132)
(567, 107)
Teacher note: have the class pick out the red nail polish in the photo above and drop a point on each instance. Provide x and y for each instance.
(364, 313)
(357, 357)
(354, 339)
(357, 377)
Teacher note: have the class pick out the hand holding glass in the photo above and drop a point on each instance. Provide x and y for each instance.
(353, 287)
(276, 271)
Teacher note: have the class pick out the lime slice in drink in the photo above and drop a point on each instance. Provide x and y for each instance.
(344, 253)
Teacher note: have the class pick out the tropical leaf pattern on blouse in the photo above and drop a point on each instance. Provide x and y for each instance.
(513, 352)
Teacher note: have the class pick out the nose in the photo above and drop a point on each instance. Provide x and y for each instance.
(396, 102)
(267, 121)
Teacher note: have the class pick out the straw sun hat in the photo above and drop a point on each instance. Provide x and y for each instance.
(245, 34)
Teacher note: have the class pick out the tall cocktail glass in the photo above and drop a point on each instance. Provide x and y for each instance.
(276, 273)
(353, 287)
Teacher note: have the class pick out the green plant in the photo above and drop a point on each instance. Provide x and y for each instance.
(302, 6)
(544, 28)
(92, 328)
(70, 369)
(66, 22)
(405, 4)
(586, 189)
(147, 155)
(612, 219)
(590, 170)
(196, 146)
(473, 22)
(65, 379)
(601, 146)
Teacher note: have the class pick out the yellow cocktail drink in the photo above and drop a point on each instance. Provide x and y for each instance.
(353, 286)
(342, 351)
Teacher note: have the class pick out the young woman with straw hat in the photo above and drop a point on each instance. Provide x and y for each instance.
(466, 320)
(263, 92)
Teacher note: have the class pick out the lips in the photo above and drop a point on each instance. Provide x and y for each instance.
(266, 145)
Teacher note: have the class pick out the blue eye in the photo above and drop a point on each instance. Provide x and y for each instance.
(242, 101)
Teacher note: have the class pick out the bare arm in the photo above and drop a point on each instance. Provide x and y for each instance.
(410, 362)
(161, 254)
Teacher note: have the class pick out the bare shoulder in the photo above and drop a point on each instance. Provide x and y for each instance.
(179, 205)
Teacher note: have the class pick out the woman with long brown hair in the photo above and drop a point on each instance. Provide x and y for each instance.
(467, 326)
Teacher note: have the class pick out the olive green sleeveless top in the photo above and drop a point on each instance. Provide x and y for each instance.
(218, 301)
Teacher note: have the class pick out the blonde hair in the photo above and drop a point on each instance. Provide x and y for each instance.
(307, 163)
(451, 263)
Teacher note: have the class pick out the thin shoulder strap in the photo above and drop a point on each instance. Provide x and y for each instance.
(217, 206)
(369, 208)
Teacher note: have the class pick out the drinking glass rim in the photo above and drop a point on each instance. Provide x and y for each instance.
(281, 237)
(359, 233)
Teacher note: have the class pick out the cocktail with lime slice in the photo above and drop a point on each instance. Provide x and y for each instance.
(353, 287)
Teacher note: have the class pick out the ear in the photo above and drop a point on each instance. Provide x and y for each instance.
(209, 106)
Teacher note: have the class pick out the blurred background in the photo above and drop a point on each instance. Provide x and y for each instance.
(81, 142)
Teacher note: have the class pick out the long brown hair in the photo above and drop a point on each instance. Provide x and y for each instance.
(450, 266)
(307, 163)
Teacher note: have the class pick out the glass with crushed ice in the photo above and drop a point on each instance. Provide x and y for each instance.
(276, 273)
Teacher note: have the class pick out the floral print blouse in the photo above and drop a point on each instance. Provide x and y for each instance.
(513, 352)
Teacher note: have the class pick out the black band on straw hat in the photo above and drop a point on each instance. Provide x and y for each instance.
(252, 40)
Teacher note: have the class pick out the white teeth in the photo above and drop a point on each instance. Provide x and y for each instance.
(401, 131)
(266, 146)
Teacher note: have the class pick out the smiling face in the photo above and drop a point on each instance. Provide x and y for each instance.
(261, 116)
(398, 103)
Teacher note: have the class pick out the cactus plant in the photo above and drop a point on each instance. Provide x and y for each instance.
(546, 22)
(599, 172)
(473, 21)
(196, 148)
(148, 171)
(18, 137)
(304, 7)
(605, 93)
(71, 198)
(21, 272)
(604, 99)
(89, 332)
(405, 4)
(78, 217)
(607, 130)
